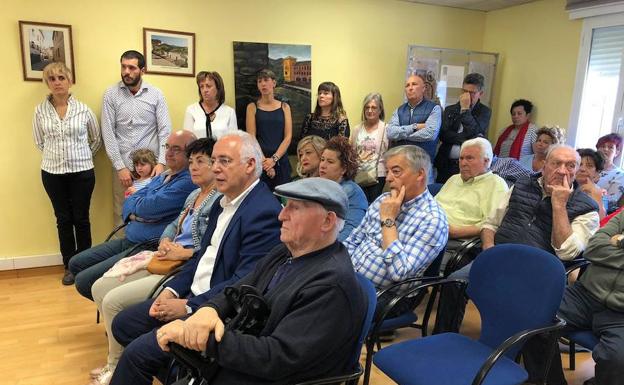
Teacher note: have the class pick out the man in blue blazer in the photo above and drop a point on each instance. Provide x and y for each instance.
(242, 228)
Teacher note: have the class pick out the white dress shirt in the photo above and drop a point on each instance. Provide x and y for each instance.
(203, 273)
(68, 144)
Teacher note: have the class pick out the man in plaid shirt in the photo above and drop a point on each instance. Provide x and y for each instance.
(404, 230)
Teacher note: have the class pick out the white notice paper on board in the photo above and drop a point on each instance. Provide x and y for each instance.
(453, 75)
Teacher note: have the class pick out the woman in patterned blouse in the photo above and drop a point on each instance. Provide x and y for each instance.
(68, 134)
(329, 118)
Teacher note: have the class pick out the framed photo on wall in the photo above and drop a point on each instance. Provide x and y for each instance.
(44, 43)
(169, 52)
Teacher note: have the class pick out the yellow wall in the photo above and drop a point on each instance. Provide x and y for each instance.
(359, 44)
(538, 48)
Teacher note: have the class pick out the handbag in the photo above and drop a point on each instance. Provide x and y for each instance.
(367, 173)
(162, 267)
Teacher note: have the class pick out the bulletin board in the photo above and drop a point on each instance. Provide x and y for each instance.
(445, 69)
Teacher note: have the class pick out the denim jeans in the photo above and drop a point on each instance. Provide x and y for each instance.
(89, 265)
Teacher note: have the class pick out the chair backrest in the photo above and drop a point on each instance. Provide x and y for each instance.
(433, 270)
(371, 294)
(515, 287)
(434, 188)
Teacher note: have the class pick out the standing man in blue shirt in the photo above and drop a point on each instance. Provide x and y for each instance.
(418, 121)
(134, 116)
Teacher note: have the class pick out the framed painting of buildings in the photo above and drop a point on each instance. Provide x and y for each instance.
(169, 52)
(292, 65)
(44, 43)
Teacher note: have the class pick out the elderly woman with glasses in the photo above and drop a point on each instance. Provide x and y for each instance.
(210, 117)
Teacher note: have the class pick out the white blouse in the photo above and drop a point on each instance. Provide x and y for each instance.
(68, 144)
(224, 121)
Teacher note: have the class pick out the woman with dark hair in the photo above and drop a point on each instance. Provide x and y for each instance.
(210, 117)
(370, 141)
(612, 177)
(516, 140)
(592, 163)
(329, 118)
(131, 279)
(68, 134)
(269, 120)
(339, 162)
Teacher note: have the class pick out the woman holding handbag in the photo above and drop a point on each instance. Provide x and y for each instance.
(131, 279)
(370, 142)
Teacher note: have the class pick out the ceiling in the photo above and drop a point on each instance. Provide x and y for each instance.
(476, 5)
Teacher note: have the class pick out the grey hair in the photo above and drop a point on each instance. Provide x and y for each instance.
(484, 145)
(416, 157)
(561, 145)
(374, 96)
(249, 149)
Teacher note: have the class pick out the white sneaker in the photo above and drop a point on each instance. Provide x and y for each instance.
(95, 373)
(104, 378)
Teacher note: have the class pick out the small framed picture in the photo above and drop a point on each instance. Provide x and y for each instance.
(44, 43)
(169, 52)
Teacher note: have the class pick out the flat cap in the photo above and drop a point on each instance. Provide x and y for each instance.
(326, 192)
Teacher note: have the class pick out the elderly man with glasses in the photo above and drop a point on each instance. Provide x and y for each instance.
(147, 213)
(243, 227)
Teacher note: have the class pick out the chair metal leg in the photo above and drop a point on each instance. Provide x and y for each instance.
(370, 346)
(572, 352)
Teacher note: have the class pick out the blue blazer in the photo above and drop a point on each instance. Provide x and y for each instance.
(253, 231)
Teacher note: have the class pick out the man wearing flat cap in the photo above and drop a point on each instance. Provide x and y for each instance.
(317, 307)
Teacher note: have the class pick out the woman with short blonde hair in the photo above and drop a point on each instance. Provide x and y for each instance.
(68, 134)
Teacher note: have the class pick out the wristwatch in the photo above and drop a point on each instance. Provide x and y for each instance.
(275, 158)
(388, 223)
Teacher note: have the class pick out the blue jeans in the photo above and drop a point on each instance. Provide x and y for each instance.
(89, 265)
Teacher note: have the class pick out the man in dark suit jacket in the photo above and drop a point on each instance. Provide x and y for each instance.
(317, 307)
(466, 119)
(243, 227)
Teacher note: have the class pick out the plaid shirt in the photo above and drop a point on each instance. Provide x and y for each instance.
(509, 169)
(423, 232)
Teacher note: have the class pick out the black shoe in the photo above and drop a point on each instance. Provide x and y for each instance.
(68, 278)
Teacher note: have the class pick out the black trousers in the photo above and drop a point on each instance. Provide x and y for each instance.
(70, 195)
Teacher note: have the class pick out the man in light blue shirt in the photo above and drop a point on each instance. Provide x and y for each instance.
(134, 116)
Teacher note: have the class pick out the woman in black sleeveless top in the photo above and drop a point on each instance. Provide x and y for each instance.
(270, 122)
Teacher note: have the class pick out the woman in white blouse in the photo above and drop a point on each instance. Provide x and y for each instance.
(68, 133)
(210, 117)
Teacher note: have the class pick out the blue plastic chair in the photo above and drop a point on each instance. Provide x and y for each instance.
(517, 290)
(352, 378)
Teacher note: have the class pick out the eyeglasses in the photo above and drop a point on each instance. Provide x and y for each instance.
(222, 161)
(173, 149)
